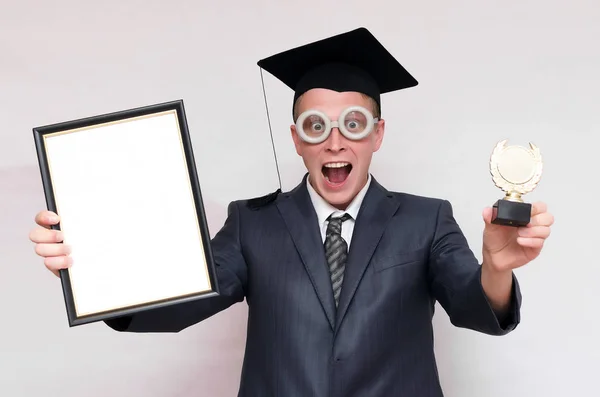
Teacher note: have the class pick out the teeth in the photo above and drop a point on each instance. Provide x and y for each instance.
(336, 165)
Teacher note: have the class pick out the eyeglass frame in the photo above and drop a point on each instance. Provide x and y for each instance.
(339, 124)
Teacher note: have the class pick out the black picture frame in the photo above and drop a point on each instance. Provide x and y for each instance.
(67, 172)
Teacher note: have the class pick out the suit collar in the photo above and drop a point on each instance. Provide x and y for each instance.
(301, 219)
(378, 208)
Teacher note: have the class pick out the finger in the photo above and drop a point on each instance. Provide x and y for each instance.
(530, 242)
(46, 250)
(534, 232)
(56, 263)
(538, 208)
(46, 218)
(43, 235)
(543, 219)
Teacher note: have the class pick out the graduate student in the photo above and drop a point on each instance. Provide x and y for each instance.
(340, 274)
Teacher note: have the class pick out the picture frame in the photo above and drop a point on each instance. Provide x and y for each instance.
(126, 189)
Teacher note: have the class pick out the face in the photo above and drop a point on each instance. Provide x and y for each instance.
(338, 167)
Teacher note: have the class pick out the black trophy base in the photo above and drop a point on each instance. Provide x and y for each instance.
(511, 213)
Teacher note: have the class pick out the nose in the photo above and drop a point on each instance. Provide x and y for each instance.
(336, 141)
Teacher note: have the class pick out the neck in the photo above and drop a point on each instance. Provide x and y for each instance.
(339, 206)
(342, 207)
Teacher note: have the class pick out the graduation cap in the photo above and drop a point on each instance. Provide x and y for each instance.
(351, 61)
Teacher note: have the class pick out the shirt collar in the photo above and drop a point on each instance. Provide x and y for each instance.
(324, 209)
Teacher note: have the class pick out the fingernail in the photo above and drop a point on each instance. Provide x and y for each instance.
(59, 236)
(52, 219)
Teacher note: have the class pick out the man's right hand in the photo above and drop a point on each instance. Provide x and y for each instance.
(48, 242)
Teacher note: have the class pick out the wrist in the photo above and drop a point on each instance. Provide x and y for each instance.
(495, 271)
(497, 284)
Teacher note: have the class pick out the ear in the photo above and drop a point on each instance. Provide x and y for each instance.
(378, 134)
(296, 139)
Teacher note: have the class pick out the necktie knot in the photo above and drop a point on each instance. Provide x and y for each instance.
(335, 223)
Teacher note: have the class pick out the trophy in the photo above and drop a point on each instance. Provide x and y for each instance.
(517, 171)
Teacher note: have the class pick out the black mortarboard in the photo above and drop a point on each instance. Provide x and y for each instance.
(352, 61)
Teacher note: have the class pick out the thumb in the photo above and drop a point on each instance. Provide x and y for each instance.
(489, 226)
(487, 219)
(487, 216)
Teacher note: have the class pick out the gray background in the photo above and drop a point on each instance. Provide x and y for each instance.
(526, 71)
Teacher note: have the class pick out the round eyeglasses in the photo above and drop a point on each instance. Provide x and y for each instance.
(354, 123)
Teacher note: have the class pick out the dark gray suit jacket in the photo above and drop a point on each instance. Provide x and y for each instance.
(406, 253)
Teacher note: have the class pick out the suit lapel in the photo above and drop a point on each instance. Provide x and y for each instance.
(301, 220)
(376, 211)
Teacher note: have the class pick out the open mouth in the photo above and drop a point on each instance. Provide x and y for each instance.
(336, 173)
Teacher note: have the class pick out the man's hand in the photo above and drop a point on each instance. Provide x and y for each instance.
(506, 248)
(48, 242)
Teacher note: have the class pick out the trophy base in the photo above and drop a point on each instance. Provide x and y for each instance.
(511, 213)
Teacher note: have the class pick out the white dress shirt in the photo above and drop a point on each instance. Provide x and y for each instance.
(324, 210)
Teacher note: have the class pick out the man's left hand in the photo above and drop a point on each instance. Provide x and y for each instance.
(506, 248)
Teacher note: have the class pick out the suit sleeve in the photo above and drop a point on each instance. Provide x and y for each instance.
(455, 276)
(231, 275)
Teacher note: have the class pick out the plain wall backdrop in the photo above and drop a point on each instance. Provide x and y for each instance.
(488, 70)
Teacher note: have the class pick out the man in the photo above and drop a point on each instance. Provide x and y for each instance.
(342, 306)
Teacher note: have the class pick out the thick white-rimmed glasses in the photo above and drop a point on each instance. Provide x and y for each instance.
(354, 123)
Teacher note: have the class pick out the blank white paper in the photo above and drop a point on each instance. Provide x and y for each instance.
(126, 206)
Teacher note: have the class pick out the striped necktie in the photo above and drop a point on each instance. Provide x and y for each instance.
(336, 252)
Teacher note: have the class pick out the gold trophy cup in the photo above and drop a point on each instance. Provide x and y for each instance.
(516, 170)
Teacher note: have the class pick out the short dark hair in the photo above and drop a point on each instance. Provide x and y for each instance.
(375, 109)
